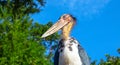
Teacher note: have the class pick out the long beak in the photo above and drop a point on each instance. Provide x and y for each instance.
(54, 28)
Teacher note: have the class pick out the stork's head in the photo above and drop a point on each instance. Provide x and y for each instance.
(65, 23)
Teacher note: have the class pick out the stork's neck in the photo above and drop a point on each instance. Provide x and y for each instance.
(66, 30)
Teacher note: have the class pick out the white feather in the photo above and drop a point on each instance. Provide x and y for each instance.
(68, 57)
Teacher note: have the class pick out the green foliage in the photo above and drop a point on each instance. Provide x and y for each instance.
(20, 42)
(21, 7)
(110, 60)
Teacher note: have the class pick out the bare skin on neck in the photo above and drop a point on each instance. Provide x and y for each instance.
(66, 30)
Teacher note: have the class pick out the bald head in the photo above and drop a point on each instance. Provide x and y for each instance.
(65, 23)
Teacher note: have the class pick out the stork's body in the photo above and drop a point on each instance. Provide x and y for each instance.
(69, 51)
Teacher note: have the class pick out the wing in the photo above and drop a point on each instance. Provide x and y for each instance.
(56, 57)
(83, 55)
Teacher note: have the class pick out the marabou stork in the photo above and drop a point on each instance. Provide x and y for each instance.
(69, 51)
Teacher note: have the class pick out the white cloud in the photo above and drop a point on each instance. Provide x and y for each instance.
(79, 8)
(85, 7)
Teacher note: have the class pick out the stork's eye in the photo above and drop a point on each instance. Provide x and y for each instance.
(64, 17)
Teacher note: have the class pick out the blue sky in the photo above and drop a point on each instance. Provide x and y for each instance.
(97, 27)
